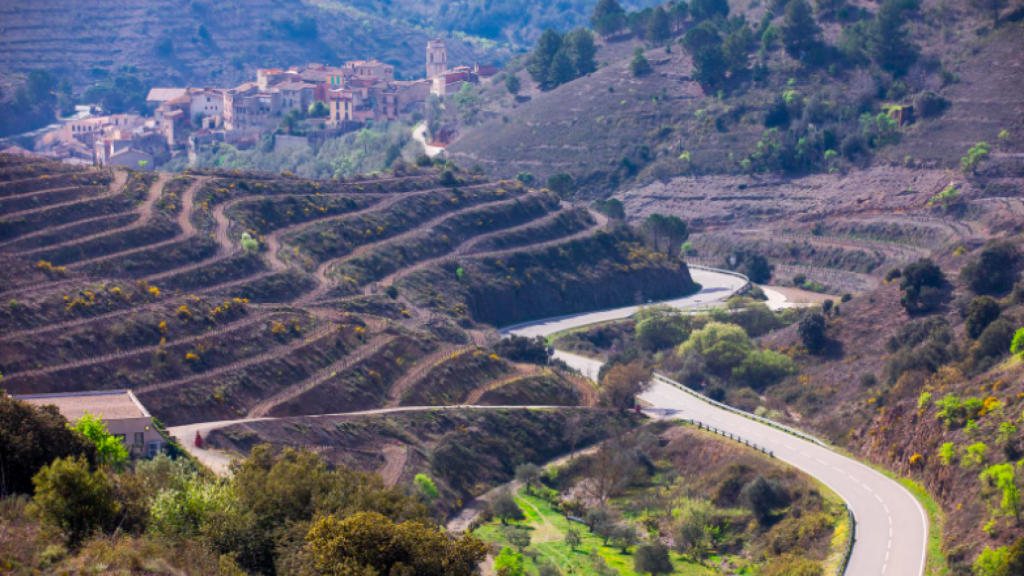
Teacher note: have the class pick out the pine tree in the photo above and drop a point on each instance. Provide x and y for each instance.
(539, 64)
(639, 66)
(799, 31)
(708, 9)
(659, 30)
(709, 66)
(887, 43)
(581, 49)
(512, 84)
(561, 70)
(608, 17)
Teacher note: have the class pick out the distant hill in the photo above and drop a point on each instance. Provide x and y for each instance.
(519, 22)
(203, 42)
(612, 130)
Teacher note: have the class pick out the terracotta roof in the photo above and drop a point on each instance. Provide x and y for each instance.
(111, 404)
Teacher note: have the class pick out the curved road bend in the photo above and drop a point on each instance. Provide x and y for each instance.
(892, 528)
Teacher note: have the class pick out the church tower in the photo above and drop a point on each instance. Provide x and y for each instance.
(437, 57)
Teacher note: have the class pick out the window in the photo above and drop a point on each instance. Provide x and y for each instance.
(154, 449)
(139, 439)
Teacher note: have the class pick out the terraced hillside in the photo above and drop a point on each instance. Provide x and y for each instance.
(225, 295)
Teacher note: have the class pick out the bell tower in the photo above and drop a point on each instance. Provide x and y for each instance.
(437, 57)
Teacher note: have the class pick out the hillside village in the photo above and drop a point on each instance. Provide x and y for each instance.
(186, 120)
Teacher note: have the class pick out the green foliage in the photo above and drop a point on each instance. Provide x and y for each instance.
(887, 42)
(981, 312)
(562, 184)
(612, 208)
(924, 400)
(800, 33)
(639, 66)
(659, 28)
(762, 369)
(189, 502)
(792, 565)
(529, 475)
(947, 452)
(949, 196)
(710, 66)
(920, 284)
(993, 7)
(994, 270)
(110, 449)
(517, 536)
(992, 562)
(426, 487)
(370, 543)
(31, 438)
(74, 500)
(1003, 477)
(504, 507)
(701, 36)
(763, 497)
(355, 153)
(812, 332)
(702, 10)
(559, 59)
(509, 563)
(975, 154)
(608, 17)
(652, 558)
(722, 346)
(974, 455)
(661, 327)
(665, 233)
(318, 109)
(118, 94)
(250, 244)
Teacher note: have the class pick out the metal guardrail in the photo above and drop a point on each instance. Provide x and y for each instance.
(742, 289)
(761, 419)
(729, 435)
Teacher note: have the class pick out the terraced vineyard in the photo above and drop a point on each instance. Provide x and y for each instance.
(223, 295)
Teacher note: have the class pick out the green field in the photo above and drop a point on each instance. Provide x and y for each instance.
(547, 529)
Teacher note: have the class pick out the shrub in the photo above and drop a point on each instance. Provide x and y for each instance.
(893, 274)
(661, 327)
(250, 244)
(812, 332)
(639, 66)
(974, 455)
(947, 452)
(762, 369)
(722, 346)
(920, 286)
(31, 438)
(994, 270)
(426, 487)
(505, 508)
(523, 349)
(652, 558)
(981, 312)
(763, 496)
(751, 264)
(928, 104)
(969, 163)
(74, 500)
(110, 449)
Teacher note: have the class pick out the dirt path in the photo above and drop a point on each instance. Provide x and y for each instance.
(145, 213)
(41, 192)
(395, 457)
(184, 221)
(116, 187)
(53, 229)
(522, 371)
(421, 369)
(234, 326)
(374, 345)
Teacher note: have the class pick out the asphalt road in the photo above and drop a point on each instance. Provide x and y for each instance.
(892, 527)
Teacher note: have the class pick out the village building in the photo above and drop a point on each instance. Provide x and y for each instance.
(125, 417)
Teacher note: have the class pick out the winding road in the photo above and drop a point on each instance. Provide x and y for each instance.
(891, 526)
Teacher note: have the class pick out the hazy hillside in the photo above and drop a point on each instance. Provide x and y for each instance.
(613, 130)
(201, 42)
(518, 22)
